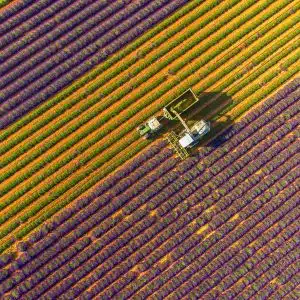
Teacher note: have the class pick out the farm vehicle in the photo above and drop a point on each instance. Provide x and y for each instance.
(189, 136)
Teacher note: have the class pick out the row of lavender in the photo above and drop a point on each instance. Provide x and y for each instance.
(108, 264)
(68, 57)
(88, 17)
(282, 254)
(38, 23)
(84, 242)
(194, 262)
(122, 185)
(19, 11)
(121, 253)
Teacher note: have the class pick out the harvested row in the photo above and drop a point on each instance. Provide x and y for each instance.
(47, 143)
(90, 82)
(77, 65)
(105, 158)
(22, 147)
(78, 178)
(41, 243)
(64, 243)
(110, 87)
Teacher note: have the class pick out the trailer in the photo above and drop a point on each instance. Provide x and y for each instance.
(180, 104)
(188, 137)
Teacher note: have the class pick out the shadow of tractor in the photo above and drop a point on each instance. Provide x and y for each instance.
(211, 107)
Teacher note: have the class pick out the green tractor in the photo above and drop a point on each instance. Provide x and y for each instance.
(150, 127)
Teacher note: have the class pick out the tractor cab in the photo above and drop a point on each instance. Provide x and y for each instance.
(150, 127)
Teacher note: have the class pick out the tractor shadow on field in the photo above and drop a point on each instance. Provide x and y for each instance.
(212, 106)
(213, 109)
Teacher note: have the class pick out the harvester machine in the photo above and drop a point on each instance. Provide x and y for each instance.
(188, 137)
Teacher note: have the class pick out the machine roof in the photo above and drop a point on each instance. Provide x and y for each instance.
(186, 140)
(153, 123)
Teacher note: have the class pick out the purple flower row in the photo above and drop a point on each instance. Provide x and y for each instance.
(290, 283)
(205, 286)
(198, 273)
(40, 24)
(274, 233)
(19, 12)
(161, 201)
(71, 69)
(63, 43)
(221, 208)
(91, 36)
(111, 237)
(269, 268)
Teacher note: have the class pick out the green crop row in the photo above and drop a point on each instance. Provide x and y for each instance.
(4, 2)
(96, 98)
(258, 44)
(89, 182)
(92, 75)
(89, 171)
(151, 101)
(255, 75)
(281, 40)
(78, 137)
(102, 121)
(280, 55)
(262, 93)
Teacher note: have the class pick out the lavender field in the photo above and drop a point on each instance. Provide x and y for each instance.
(60, 41)
(223, 224)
